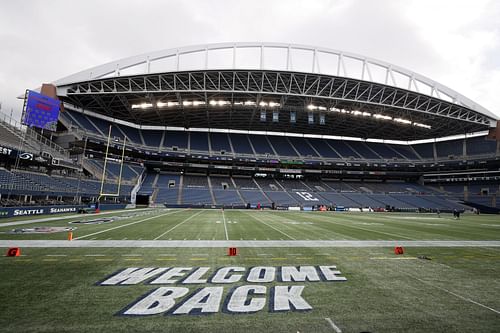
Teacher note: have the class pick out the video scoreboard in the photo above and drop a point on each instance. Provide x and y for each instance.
(40, 111)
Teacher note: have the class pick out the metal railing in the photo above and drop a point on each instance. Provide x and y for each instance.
(39, 141)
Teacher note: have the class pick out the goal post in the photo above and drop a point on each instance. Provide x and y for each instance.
(103, 176)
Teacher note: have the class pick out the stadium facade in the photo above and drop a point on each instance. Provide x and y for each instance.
(260, 124)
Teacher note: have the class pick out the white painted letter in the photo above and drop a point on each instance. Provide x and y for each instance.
(240, 302)
(261, 274)
(175, 272)
(132, 275)
(330, 273)
(284, 296)
(292, 274)
(221, 275)
(205, 301)
(160, 300)
(196, 275)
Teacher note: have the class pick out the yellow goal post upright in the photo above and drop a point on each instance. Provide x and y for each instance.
(103, 177)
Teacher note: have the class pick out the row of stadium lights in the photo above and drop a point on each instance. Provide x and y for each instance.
(198, 103)
(368, 114)
(310, 107)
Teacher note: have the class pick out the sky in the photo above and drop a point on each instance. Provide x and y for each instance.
(453, 42)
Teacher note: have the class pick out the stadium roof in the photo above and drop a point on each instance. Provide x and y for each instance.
(274, 87)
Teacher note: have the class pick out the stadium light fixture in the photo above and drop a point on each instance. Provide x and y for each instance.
(402, 121)
(193, 103)
(262, 103)
(167, 104)
(142, 106)
(315, 107)
(219, 102)
(250, 103)
(422, 125)
(274, 104)
(381, 116)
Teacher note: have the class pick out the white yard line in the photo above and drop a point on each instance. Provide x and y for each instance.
(452, 293)
(189, 218)
(270, 226)
(332, 324)
(225, 228)
(125, 225)
(370, 230)
(259, 244)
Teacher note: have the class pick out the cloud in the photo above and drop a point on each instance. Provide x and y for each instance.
(456, 43)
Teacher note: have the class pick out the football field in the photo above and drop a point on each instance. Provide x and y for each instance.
(168, 270)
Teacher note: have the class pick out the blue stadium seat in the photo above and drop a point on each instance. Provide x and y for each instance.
(220, 142)
(282, 146)
(198, 141)
(241, 145)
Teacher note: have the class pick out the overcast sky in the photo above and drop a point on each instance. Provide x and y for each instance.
(454, 42)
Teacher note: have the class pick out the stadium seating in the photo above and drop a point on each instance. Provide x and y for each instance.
(326, 151)
(175, 139)
(280, 146)
(425, 150)
(363, 150)
(199, 141)
(153, 138)
(450, 148)
(220, 142)
(303, 147)
(405, 151)
(133, 134)
(241, 144)
(480, 146)
(385, 151)
(196, 196)
(261, 145)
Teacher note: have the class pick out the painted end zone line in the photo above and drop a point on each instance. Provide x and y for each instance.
(124, 225)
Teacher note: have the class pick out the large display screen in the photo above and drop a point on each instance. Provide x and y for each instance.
(41, 111)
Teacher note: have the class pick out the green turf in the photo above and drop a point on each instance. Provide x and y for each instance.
(267, 225)
(52, 289)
